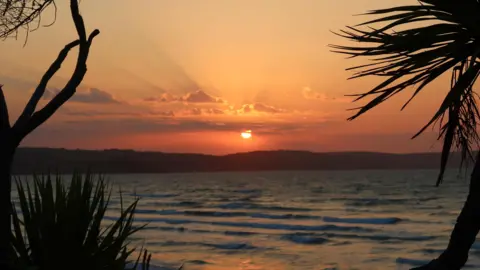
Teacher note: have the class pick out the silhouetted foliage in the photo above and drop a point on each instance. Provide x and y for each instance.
(62, 226)
(22, 14)
(14, 15)
(412, 46)
(447, 40)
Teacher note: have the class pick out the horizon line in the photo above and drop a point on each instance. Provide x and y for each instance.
(233, 153)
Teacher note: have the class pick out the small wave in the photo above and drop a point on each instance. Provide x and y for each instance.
(232, 246)
(271, 226)
(373, 221)
(247, 214)
(226, 246)
(431, 251)
(157, 212)
(165, 228)
(378, 237)
(411, 262)
(305, 239)
(205, 213)
(415, 262)
(247, 191)
(239, 233)
(183, 229)
(197, 262)
(202, 213)
(153, 267)
(375, 201)
(170, 244)
(476, 245)
(175, 204)
(237, 205)
(214, 214)
(158, 196)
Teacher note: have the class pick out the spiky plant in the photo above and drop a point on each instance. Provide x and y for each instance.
(411, 46)
(61, 226)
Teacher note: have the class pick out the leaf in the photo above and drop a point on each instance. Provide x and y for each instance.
(411, 46)
(68, 227)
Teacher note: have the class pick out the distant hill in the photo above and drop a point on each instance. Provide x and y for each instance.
(40, 160)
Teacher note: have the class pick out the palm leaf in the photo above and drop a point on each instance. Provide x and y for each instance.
(416, 55)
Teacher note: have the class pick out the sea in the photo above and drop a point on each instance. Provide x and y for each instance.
(309, 220)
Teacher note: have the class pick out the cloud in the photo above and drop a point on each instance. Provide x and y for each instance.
(93, 95)
(261, 108)
(115, 114)
(198, 96)
(309, 93)
(214, 111)
(163, 113)
(194, 111)
(174, 125)
(199, 111)
(165, 97)
(16, 84)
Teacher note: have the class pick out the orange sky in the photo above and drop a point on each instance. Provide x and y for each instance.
(190, 75)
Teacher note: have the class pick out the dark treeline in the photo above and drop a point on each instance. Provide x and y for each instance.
(40, 160)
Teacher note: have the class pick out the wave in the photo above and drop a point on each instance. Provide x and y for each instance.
(247, 191)
(248, 214)
(197, 262)
(175, 204)
(380, 237)
(157, 196)
(237, 205)
(373, 221)
(226, 246)
(374, 201)
(231, 246)
(305, 239)
(153, 267)
(205, 213)
(271, 226)
(415, 262)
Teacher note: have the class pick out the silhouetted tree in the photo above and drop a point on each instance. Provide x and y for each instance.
(12, 135)
(413, 45)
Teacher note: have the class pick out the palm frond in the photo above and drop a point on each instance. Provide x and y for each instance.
(435, 37)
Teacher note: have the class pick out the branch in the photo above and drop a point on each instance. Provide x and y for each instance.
(78, 20)
(63, 96)
(4, 119)
(68, 91)
(17, 14)
(40, 90)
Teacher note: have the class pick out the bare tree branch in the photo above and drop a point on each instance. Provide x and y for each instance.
(68, 91)
(40, 90)
(4, 118)
(20, 14)
(78, 20)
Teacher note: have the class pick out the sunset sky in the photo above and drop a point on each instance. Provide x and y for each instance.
(191, 75)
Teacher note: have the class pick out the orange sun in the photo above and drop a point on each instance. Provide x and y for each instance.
(247, 134)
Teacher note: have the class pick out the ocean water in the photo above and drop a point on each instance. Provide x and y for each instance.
(294, 220)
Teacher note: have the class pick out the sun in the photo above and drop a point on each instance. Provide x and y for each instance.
(247, 134)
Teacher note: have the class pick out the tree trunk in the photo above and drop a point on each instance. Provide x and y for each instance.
(465, 231)
(6, 158)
